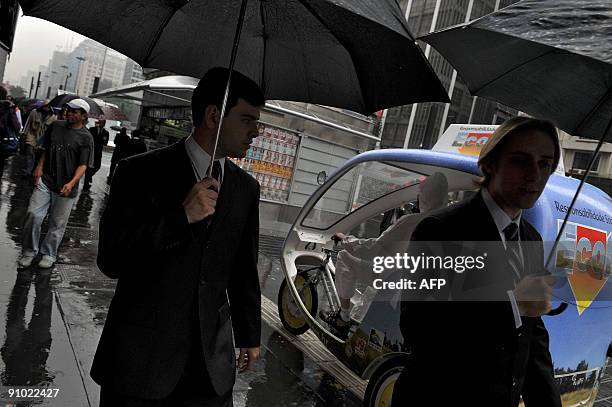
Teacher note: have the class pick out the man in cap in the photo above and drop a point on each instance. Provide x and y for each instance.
(489, 346)
(67, 151)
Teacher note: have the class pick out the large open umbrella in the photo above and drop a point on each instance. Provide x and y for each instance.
(60, 100)
(548, 58)
(353, 54)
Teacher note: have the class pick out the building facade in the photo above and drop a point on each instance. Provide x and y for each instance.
(577, 153)
(420, 125)
(91, 60)
(133, 72)
(3, 57)
(53, 77)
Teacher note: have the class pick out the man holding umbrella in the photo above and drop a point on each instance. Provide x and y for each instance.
(490, 347)
(184, 250)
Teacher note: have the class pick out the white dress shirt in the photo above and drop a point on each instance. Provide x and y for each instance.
(200, 160)
(502, 220)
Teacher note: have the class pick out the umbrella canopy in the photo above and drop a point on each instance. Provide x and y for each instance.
(111, 112)
(353, 54)
(60, 100)
(548, 58)
(30, 104)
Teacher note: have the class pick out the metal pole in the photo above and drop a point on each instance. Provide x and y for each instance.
(76, 80)
(66, 81)
(37, 86)
(229, 78)
(31, 87)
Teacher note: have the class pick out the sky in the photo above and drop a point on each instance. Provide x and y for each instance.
(35, 41)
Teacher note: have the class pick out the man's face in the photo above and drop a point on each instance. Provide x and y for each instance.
(520, 174)
(238, 130)
(74, 116)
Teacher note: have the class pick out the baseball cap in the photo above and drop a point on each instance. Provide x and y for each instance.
(79, 104)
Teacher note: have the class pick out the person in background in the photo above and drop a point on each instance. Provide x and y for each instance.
(9, 128)
(354, 262)
(121, 151)
(38, 121)
(17, 113)
(137, 144)
(67, 151)
(100, 138)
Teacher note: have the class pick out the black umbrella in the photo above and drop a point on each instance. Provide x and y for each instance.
(60, 100)
(548, 58)
(353, 54)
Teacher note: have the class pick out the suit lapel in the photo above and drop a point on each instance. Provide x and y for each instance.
(488, 229)
(180, 177)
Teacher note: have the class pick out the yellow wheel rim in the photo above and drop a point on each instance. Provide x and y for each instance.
(291, 311)
(385, 393)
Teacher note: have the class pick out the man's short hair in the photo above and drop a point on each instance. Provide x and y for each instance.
(491, 150)
(211, 89)
(3, 93)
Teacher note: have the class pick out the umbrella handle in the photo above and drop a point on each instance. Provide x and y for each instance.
(554, 312)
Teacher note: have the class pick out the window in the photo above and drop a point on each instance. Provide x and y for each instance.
(360, 186)
(581, 161)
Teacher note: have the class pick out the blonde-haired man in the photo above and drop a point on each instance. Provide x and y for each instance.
(489, 353)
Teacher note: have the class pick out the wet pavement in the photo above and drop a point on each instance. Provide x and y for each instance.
(50, 321)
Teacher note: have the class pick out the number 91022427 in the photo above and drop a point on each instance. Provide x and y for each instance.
(21, 393)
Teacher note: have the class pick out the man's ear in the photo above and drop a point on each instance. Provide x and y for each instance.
(211, 116)
(486, 167)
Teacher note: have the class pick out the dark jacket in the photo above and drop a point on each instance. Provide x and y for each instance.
(122, 147)
(100, 138)
(471, 353)
(168, 270)
(9, 126)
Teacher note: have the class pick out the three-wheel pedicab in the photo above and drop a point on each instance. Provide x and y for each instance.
(354, 199)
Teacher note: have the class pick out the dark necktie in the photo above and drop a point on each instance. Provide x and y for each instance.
(513, 253)
(216, 171)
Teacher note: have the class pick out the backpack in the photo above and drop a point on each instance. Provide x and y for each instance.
(9, 141)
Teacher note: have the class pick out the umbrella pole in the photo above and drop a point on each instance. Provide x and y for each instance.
(229, 78)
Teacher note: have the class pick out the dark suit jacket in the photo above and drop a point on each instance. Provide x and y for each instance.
(165, 266)
(100, 139)
(467, 352)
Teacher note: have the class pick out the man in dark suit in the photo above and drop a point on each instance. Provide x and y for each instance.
(474, 351)
(186, 261)
(100, 137)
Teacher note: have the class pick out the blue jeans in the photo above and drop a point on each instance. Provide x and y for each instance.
(45, 201)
